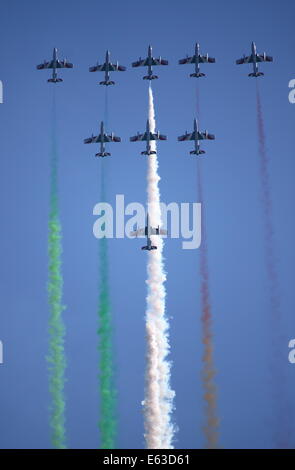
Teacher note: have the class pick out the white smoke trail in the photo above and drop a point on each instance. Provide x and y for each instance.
(158, 403)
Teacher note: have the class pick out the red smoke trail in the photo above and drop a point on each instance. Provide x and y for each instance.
(208, 373)
(267, 212)
(278, 361)
(211, 426)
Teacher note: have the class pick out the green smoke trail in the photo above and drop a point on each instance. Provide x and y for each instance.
(108, 421)
(56, 354)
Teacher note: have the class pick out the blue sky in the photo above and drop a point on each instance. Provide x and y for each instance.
(83, 31)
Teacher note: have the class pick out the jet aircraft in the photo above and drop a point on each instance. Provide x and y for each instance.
(55, 64)
(149, 62)
(197, 59)
(102, 139)
(196, 136)
(148, 231)
(107, 67)
(254, 59)
(148, 136)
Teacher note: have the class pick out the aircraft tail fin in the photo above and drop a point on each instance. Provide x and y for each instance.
(148, 152)
(150, 77)
(197, 75)
(107, 82)
(257, 74)
(197, 152)
(103, 154)
(149, 248)
(54, 80)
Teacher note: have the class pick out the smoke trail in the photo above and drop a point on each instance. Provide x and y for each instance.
(56, 355)
(158, 403)
(208, 373)
(278, 361)
(210, 429)
(267, 212)
(107, 422)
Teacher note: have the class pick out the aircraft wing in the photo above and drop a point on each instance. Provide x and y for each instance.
(188, 60)
(187, 136)
(205, 135)
(206, 59)
(45, 65)
(159, 61)
(138, 137)
(102, 68)
(245, 60)
(140, 63)
(192, 60)
(116, 67)
(98, 68)
(263, 58)
(59, 65)
(105, 138)
(111, 138)
(145, 62)
(152, 136)
(157, 136)
(92, 140)
(138, 233)
(155, 231)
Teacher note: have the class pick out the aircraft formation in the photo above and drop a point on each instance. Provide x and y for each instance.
(107, 67)
(148, 136)
(197, 59)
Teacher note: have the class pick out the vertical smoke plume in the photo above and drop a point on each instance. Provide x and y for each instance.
(210, 428)
(107, 422)
(267, 212)
(158, 403)
(208, 373)
(278, 379)
(56, 354)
